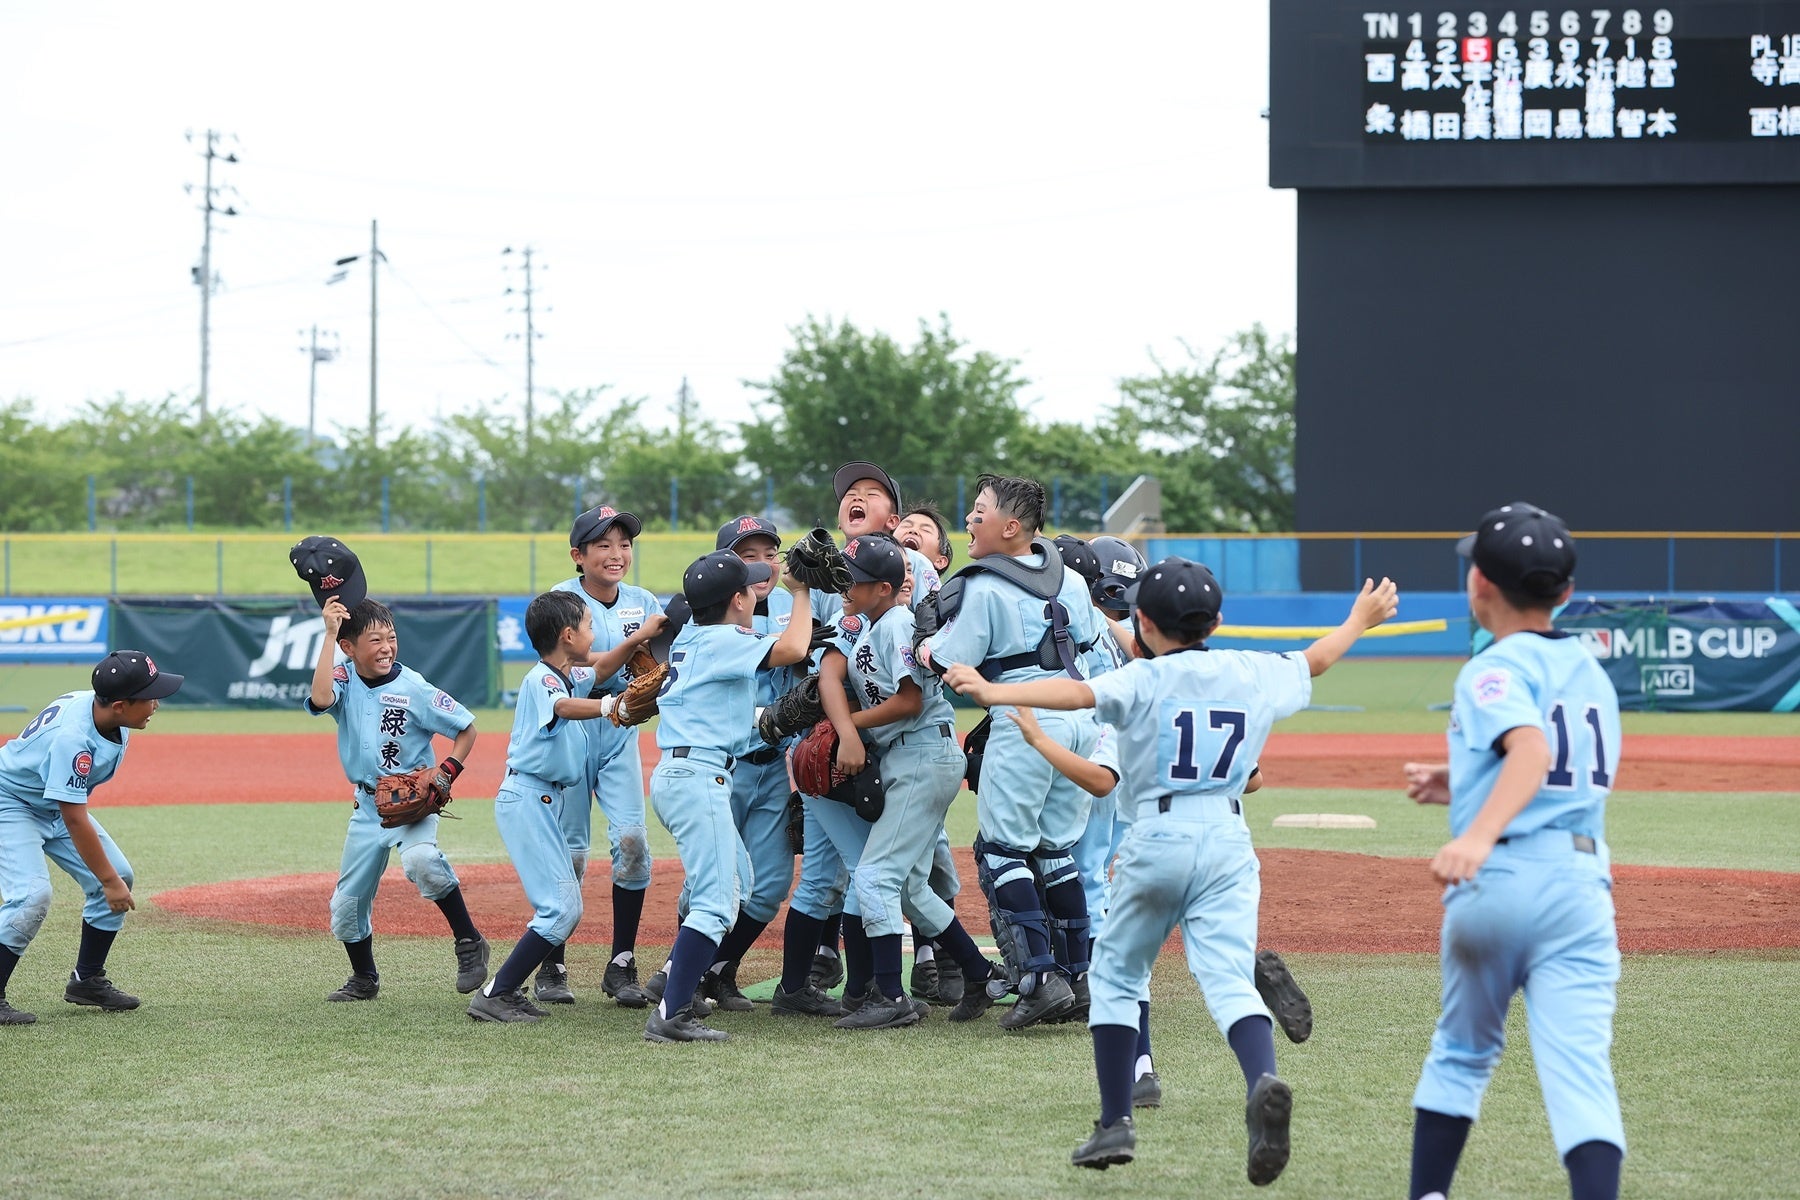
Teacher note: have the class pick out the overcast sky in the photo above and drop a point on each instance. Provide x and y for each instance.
(1075, 186)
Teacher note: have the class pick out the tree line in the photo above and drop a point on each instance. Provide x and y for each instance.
(1216, 428)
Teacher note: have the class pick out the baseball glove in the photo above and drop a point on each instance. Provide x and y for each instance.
(406, 799)
(796, 709)
(816, 561)
(816, 774)
(637, 703)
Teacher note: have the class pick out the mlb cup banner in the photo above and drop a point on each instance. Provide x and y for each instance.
(241, 653)
(62, 629)
(1694, 656)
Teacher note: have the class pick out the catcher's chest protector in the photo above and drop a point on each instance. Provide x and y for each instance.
(1057, 650)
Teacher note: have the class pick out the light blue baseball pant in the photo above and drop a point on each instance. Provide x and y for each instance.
(1094, 852)
(28, 837)
(945, 882)
(923, 772)
(616, 781)
(526, 809)
(1025, 803)
(824, 879)
(759, 796)
(366, 849)
(1193, 867)
(1537, 916)
(692, 799)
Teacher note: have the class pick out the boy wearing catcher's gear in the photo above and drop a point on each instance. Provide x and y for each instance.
(546, 755)
(1191, 726)
(47, 775)
(1029, 815)
(386, 716)
(1534, 748)
(625, 617)
(708, 707)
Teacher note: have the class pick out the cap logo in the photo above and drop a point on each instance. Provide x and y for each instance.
(607, 510)
(330, 581)
(150, 663)
(851, 547)
(749, 525)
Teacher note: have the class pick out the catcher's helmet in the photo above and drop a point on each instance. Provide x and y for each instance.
(1120, 563)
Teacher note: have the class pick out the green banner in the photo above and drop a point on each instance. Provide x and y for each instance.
(247, 653)
(1694, 656)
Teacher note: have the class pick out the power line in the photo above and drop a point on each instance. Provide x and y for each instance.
(531, 335)
(203, 274)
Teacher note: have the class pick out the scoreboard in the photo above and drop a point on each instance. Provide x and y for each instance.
(1702, 91)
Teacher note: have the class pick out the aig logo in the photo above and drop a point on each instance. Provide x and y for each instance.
(1668, 679)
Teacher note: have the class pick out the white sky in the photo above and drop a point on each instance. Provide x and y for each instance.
(1075, 185)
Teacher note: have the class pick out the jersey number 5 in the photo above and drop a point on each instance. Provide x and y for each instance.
(1184, 768)
(675, 657)
(1560, 775)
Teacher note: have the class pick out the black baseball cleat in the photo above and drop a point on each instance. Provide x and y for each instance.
(653, 993)
(1078, 1012)
(621, 983)
(681, 1026)
(1266, 1119)
(725, 994)
(552, 984)
(879, 1012)
(950, 981)
(924, 983)
(14, 1016)
(471, 963)
(357, 987)
(97, 991)
(1111, 1144)
(1147, 1091)
(827, 971)
(1275, 984)
(1048, 1002)
(504, 1007)
(809, 1001)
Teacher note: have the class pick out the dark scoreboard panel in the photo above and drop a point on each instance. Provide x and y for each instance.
(1691, 92)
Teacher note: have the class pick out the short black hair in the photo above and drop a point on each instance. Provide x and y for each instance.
(548, 615)
(712, 614)
(1525, 601)
(1191, 631)
(929, 510)
(367, 614)
(1017, 497)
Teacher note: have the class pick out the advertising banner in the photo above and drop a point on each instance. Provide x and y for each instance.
(1694, 655)
(53, 629)
(240, 653)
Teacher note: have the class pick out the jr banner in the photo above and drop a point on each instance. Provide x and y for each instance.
(1694, 655)
(53, 629)
(239, 653)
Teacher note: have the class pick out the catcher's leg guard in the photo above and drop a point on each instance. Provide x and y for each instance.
(1001, 869)
(1066, 902)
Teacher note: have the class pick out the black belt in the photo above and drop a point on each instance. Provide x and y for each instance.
(1583, 843)
(942, 729)
(761, 758)
(1163, 803)
(684, 751)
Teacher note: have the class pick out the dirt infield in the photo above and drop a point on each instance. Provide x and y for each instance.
(190, 768)
(1317, 901)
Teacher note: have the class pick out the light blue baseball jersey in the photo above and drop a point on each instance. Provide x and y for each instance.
(60, 757)
(613, 623)
(998, 619)
(1194, 722)
(829, 606)
(385, 728)
(709, 698)
(1548, 682)
(544, 745)
(771, 619)
(881, 659)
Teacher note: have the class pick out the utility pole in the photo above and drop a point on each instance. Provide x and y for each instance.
(315, 354)
(375, 258)
(531, 335)
(203, 274)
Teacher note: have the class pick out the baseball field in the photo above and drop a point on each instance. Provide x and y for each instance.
(236, 1079)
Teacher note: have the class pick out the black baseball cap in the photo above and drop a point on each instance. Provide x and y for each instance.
(677, 613)
(592, 525)
(1078, 558)
(330, 568)
(738, 528)
(1522, 548)
(876, 560)
(1176, 591)
(720, 576)
(132, 675)
(850, 472)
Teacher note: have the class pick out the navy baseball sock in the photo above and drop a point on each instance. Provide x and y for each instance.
(1594, 1171)
(1020, 896)
(533, 948)
(956, 942)
(1143, 1042)
(456, 911)
(834, 925)
(8, 960)
(692, 953)
(799, 942)
(362, 957)
(1253, 1041)
(90, 960)
(859, 959)
(736, 944)
(1437, 1144)
(1113, 1046)
(628, 908)
(884, 955)
(558, 955)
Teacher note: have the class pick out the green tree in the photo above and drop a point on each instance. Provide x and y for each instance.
(44, 470)
(927, 413)
(1082, 467)
(1220, 429)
